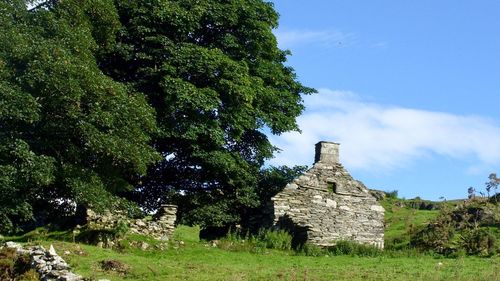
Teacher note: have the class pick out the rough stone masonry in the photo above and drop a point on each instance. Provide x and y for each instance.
(326, 204)
(161, 227)
(47, 263)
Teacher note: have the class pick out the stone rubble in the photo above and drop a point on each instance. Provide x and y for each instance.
(47, 263)
(161, 227)
(326, 204)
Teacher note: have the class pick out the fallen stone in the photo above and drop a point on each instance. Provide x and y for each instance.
(52, 251)
(13, 245)
(144, 246)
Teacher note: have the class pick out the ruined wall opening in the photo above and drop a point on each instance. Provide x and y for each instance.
(332, 187)
(299, 233)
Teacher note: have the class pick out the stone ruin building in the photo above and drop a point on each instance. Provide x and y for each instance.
(326, 204)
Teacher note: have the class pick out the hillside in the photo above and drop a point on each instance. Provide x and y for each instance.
(401, 216)
(184, 257)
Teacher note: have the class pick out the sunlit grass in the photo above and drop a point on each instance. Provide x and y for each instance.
(185, 257)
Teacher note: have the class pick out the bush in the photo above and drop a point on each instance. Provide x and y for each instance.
(15, 267)
(435, 237)
(30, 275)
(392, 194)
(265, 239)
(282, 240)
(6, 268)
(479, 242)
(234, 241)
(311, 250)
(397, 244)
(121, 229)
(277, 239)
(354, 249)
(114, 265)
(462, 229)
(7, 261)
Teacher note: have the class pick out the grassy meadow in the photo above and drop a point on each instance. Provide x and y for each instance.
(185, 257)
(399, 220)
(196, 261)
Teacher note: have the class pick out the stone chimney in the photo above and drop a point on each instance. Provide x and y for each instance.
(327, 152)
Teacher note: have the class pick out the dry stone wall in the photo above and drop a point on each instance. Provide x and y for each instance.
(49, 265)
(161, 227)
(326, 204)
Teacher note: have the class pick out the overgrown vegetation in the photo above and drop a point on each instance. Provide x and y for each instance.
(185, 257)
(16, 267)
(470, 227)
(282, 240)
(265, 239)
(451, 228)
(402, 217)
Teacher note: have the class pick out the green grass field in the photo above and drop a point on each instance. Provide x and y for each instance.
(184, 257)
(398, 220)
(195, 260)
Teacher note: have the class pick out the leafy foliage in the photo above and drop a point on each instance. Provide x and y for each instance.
(479, 242)
(69, 134)
(264, 239)
(273, 179)
(81, 81)
(354, 249)
(469, 226)
(16, 267)
(277, 239)
(492, 185)
(392, 194)
(214, 75)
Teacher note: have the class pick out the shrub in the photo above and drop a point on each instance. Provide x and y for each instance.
(392, 194)
(7, 262)
(397, 244)
(354, 249)
(266, 238)
(6, 268)
(277, 239)
(121, 229)
(308, 249)
(15, 267)
(30, 275)
(478, 242)
(436, 236)
(234, 241)
(114, 265)
(22, 263)
(463, 229)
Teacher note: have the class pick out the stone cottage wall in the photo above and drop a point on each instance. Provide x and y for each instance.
(328, 205)
(161, 227)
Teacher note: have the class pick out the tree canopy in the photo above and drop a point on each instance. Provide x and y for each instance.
(68, 133)
(149, 101)
(216, 78)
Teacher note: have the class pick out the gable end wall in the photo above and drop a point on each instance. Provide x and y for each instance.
(347, 213)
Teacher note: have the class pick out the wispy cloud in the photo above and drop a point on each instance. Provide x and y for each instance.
(383, 138)
(380, 45)
(323, 38)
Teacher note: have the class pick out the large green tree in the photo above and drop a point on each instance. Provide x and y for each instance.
(216, 78)
(69, 135)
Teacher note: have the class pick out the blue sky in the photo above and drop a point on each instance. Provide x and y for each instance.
(409, 89)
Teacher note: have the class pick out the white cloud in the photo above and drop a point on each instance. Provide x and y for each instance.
(380, 45)
(324, 38)
(382, 138)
